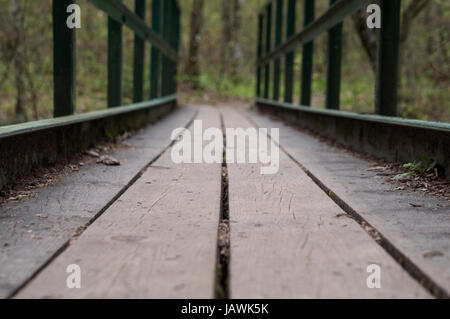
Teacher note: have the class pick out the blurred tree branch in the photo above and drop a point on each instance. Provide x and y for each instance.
(192, 64)
(369, 38)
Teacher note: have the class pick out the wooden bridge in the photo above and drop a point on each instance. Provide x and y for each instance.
(320, 227)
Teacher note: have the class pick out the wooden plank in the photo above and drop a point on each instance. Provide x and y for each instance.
(28, 241)
(289, 240)
(158, 240)
(415, 231)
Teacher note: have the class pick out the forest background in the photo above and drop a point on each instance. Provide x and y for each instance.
(218, 51)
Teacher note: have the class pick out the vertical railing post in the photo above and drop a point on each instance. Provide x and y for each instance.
(165, 61)
(260, 52)
(155, 54)
(334, 65)
(278, 39)
(177, 41)
(173, 43)
(268, 47)
(63, 60)
(388, 55)
(307, 61)
(114, 63)
(139, 57)
(289, 60)
(169, 35)
(169, 26)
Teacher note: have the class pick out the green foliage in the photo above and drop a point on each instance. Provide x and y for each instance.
(224, 89)
(425, 74)
(424, 83)
(417, 168)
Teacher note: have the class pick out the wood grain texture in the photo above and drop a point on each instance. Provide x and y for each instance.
(289, 240)
(421, 233)
(27, 241)
(158, 240)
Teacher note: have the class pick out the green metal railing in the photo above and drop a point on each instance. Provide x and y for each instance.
(270, 52)
(164, 37)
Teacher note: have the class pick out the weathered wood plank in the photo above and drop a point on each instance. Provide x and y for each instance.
(289, 240)
(158, 240)
(416, 231)
(28, 241)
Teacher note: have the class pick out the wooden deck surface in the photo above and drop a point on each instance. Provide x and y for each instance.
(288, 238)
(158, 240)
(413, 226)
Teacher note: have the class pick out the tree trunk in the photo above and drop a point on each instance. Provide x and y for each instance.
(236, 39)
(227, 25)
(413, 10)
(192, 64)
(369, 38)
(18, 61)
